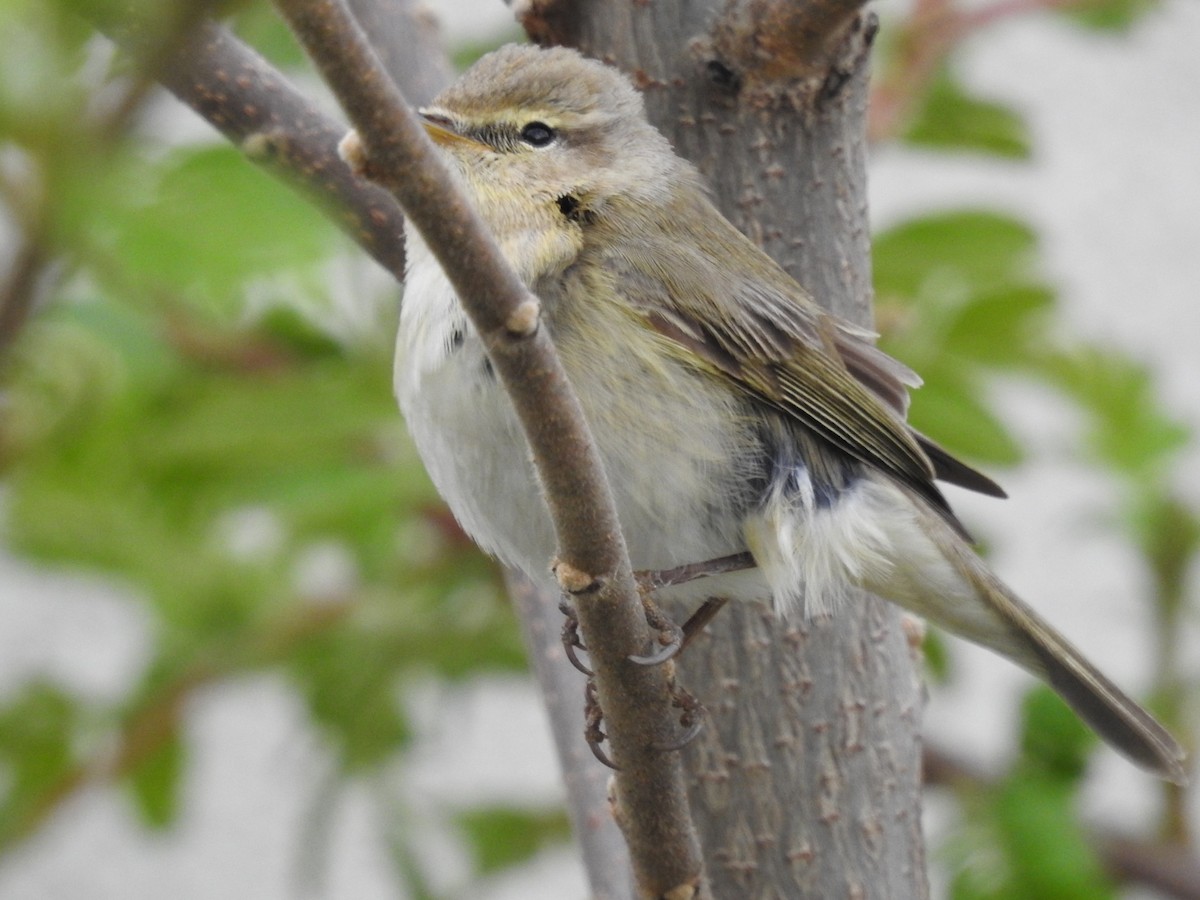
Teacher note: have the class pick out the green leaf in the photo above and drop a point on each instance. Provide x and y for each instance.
(1108, 15)
(350, 684)
(938, 660)
(506, 837)
(1003, 328)
(213, 221)
(959, 253)
(40, 93)
(1054, 740)
(1129, 429)
(951, 119)
(37, 727)
(949, 411)
(1049, 856)
(156, 780)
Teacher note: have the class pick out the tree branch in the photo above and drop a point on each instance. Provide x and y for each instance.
(241, 95)
(19, 290)
(402, 33)
(650, 796)
(605, 857)
(768, 43)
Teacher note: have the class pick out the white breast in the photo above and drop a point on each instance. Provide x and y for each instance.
(462, 422)
(667, 453)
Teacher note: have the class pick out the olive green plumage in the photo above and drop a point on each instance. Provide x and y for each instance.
(732, 413)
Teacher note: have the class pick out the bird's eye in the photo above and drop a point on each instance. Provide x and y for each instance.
(538, 134)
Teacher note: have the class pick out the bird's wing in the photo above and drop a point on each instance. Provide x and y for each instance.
(761, 331)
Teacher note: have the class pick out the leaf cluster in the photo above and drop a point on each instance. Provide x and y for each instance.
(201, 411)
(961, 298)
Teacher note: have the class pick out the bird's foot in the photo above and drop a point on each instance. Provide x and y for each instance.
(673, 638)
(593, 718)
(570, 636)
(691, 717)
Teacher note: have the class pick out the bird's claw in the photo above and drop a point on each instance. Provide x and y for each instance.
(593, 718)
(670, 636)
(570, 637)
(669, 649)
(692, 719)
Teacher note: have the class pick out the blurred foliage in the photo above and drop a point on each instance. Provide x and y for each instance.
(961, 298)
(949, 118)
(502, 837)
(958, 298)
(1024, 840)
(1116, 16)
(201, 413)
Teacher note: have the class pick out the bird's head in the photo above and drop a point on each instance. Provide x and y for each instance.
(529, 128)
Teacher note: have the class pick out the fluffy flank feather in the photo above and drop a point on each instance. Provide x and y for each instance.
(815, 553)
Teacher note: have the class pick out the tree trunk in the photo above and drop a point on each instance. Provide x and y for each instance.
(806, 780)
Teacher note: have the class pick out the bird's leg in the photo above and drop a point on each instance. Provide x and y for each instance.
(570, 636)
(704, 614)
(672, 637)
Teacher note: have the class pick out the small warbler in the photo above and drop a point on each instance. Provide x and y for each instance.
(731, 412)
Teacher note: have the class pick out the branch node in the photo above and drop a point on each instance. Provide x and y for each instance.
(523, 321)
(685, 891)
(353, 153)
(914, 633)
(263, 145)
(575, 581)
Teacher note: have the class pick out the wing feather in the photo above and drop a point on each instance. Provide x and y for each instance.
(762, 331)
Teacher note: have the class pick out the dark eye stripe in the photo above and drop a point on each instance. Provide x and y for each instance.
(505, 138)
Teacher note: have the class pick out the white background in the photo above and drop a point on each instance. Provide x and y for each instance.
(1114, 192)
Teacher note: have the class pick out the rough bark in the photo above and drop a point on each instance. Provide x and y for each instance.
(806, 782)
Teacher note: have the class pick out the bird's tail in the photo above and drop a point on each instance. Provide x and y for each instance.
(939, 576)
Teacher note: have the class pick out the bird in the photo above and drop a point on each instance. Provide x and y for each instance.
(732, 413)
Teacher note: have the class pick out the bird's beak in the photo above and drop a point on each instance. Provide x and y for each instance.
(441, 131)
